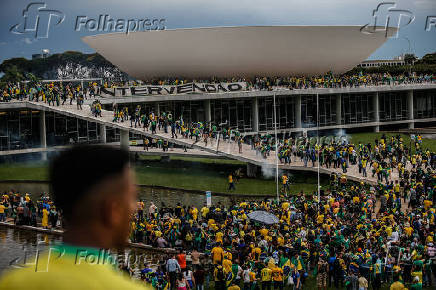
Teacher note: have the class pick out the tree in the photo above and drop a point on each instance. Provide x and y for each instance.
(428, 59)
(410, 58)
(12, 74)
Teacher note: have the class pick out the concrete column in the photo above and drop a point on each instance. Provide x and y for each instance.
(207, 112)
(124, 139)
(338, 109)
(255, 115)
(410, 108)
(42, 134)
(103, 133)
(251, 170)
(375, 104)
(298, 112)
(156, 109)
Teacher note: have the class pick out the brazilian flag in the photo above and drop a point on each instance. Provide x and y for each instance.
(229, 277)
(286, 269)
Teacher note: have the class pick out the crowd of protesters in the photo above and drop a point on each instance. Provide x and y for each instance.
(345, 81)
(58, 93)
(345, 240)
(394, 241)
(357, 235)
(22, 210)
(54, 94)
(327, 80)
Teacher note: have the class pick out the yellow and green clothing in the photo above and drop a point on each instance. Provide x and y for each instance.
(70, 267)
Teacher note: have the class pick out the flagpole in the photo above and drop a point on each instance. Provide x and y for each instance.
(277, 148)
(317, 142)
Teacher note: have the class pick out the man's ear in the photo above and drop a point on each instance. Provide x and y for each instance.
(110, 212)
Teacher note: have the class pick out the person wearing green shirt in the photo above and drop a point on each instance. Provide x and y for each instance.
(417, 285)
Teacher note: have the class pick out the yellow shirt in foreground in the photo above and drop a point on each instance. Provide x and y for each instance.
(70, 268)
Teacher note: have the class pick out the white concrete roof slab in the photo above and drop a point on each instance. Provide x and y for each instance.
(243, 51)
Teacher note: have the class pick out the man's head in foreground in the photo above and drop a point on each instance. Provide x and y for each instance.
(95, 189)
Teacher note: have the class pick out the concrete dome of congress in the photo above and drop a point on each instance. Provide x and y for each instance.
(239, 50)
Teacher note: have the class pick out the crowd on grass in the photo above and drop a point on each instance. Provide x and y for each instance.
(344, 239)
(355, 237)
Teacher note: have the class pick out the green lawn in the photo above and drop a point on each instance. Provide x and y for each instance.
(23, 172)
(185, 173)
(202, 179)
(204, 160)
(370, 137)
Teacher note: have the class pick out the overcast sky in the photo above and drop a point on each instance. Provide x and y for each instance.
(206, 13)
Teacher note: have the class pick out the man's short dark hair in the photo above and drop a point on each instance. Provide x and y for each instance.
(75, 171)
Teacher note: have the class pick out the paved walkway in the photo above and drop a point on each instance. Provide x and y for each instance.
(222, 148)
(139, 149)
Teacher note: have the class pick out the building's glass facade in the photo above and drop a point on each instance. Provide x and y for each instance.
(234, 113)
(20, 129)
(424, 104)
(392, 106)
(357, 108)
(285, 118)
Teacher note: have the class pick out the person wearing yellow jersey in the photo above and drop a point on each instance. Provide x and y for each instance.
(266, 278)
(194, 213)
(231, 183)
(2, 213)
(397, 285)
(219, 237)
(356, 199)
(320, 219)
(227, 265)
(277, 277)
(263, 232)
(280, 241)
(253, 279)
(326, 208)
(427, 204)
(233, 286)
(210, 222)
(217, 254)
(44, 221)
(285, 205)
(204, 211)
(255, 252)
(108, 182)
(285, 183)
